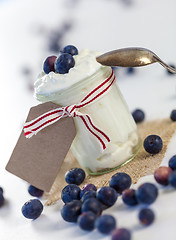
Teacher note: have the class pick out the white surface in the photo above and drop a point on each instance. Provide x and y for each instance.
(100, 25)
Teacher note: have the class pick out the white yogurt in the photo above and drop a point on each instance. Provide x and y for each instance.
(85, 66)
(109, 113)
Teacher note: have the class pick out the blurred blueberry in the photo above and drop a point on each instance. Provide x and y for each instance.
(161, 175)
(87, 195)
(146, 216)
(63, 63)
(93, 205)
(48, 65)
(2, 200)
(107, 196)
(54, 46)
(67, 26)
(70, 192)
(168, 71)
(75, 176)
(32, 209)
(115, 69)
(86, 221)
(71, 211)
(130, 70)
(172, 162)
(173, 115)
(35, 192)
(86, 188)
(1, 190)
(153, 144)
(71, 50)
(105, 224)
(147, 193)
(120, 182)
(121, 234)
(172, 179)
(138, 115)
(26, 70)
(129, 197)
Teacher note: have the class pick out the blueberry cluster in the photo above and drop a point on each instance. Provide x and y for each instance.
(146, 194)
(85, 205)
(63, 62)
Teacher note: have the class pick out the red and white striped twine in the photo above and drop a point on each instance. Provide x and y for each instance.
(33, 127)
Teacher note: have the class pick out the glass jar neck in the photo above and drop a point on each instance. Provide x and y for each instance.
(75, 93)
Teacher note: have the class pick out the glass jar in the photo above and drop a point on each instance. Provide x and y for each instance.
(110, 114)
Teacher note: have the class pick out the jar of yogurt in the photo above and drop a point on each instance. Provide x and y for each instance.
(109, 113)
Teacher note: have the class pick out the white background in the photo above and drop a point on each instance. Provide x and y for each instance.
(102, 25)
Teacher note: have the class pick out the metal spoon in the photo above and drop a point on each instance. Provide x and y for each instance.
(131, 57)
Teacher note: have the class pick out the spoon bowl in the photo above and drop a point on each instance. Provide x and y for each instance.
(132, 57)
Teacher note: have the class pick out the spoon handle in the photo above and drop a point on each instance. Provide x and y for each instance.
(171, 69)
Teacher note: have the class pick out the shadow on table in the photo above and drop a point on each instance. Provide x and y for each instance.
(45, 224)
(6, 209)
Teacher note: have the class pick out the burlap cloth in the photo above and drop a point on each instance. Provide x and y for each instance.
(143, 164)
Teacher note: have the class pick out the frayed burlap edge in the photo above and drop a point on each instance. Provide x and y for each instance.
(143, 164)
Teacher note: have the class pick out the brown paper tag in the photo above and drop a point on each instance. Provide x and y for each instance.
(37, 160)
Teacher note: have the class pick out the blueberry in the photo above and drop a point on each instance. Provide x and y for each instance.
(70, 192)
(1, 190)
(168, 71)
(2, 200)
(130, 70)
(35, 191)
(138, 115)
(172, 162)
(48, 65)
(93, 205)
(120, 182)
(87, 195)
(147, 193)
(32, 209)
(105, 224)
(71, 50)
(71, 211)
(173, 115)
(129, 197)
(63, 63)
(161, 175)
(153, 144)
(146, 216)
(107, 196)
(121, 234)
(172, 179)
(87, 187)
(86, 221)
(75, 176)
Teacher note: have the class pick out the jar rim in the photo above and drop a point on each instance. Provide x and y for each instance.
(51, 96)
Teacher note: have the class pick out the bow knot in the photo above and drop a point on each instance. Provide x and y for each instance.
(70, 111)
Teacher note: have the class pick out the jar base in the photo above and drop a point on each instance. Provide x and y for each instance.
(107, 170)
